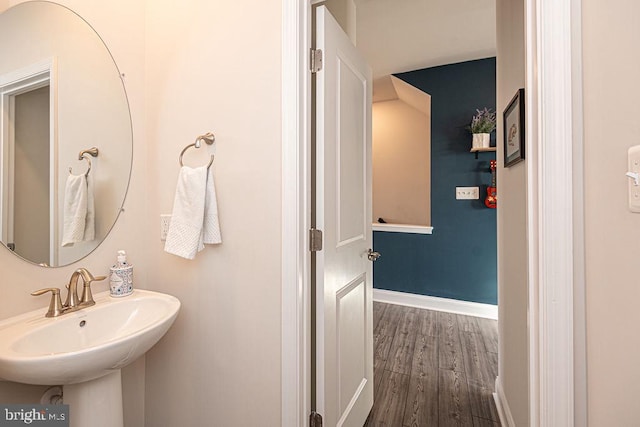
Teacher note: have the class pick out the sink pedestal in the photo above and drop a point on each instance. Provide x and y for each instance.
(95, 403)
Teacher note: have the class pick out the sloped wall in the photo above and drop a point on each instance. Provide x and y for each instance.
(401, 163)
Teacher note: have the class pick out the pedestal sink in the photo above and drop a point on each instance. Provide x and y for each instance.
(85, 350)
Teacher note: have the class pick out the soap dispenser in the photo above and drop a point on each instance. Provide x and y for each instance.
(121, 277)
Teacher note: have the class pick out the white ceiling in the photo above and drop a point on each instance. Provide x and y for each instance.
(406, 35)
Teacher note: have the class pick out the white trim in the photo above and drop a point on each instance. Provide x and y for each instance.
(550, 43)
(531, 116)
(448, 305)
(295, 371)
(33, 73)
(402, 228)
(579, 280)
(506, 419)
(54, 250)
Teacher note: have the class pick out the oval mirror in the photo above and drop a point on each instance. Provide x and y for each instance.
(65, 135)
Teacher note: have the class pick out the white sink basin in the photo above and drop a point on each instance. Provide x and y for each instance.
(86, 344)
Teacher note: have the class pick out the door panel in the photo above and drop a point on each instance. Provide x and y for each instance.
(350, 117)
(344, 286)
(352, 345)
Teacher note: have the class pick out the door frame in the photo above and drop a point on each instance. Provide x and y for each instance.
(555, 216)
(296, 213)
(555, 213)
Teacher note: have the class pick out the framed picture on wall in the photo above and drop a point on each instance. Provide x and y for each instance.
(513, 127)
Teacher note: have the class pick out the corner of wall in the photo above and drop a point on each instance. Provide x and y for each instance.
(512, 231)
(502, 405)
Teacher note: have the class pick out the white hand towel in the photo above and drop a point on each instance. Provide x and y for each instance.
(90, 223)
(211, 229)
(186, 227)
(75, 210)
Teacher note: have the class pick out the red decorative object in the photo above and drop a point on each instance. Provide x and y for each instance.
(491, 201)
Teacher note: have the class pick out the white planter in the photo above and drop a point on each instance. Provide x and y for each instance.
(481, 140)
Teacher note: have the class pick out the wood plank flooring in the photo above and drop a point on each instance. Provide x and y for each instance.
(433, 369)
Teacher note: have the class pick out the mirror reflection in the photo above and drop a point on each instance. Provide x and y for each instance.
(61, 96)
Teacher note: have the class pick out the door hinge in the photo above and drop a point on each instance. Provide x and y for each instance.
(316, 60)
(315, 419)
(315, 240)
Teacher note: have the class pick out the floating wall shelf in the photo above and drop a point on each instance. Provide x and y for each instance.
(477, 150)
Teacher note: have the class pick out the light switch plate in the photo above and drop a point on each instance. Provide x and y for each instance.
(634, 190)
(467, 193)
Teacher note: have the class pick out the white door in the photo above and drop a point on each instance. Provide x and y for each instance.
(344, 286)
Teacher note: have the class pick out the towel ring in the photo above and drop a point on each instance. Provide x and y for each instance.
(208, 138)
(93, 152)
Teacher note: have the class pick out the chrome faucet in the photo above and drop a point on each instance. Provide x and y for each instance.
(72, 303)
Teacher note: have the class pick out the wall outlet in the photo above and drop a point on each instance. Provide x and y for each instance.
(467, 193)
(165, 220)
(632, 174)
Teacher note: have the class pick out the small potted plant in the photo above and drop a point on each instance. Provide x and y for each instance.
(482, 124)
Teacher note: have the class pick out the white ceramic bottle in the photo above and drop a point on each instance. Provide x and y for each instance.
(121, 277)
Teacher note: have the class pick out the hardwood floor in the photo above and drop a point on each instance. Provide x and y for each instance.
(433, 369)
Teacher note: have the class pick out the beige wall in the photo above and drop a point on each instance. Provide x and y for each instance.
(126, 41)
(401, 163)
(215, 66)
(512, 232)
(611, 126)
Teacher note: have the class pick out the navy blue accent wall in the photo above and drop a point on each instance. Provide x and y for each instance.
(459, 260)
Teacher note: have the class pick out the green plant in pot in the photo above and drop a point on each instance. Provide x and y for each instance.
(482, 124)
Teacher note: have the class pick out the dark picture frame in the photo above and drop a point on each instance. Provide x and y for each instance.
(514, 130)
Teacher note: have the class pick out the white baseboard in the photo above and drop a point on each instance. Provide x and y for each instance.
(488, 311)
(506, 419)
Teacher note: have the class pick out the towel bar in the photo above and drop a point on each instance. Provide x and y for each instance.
(208, 138)
(93, 152)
